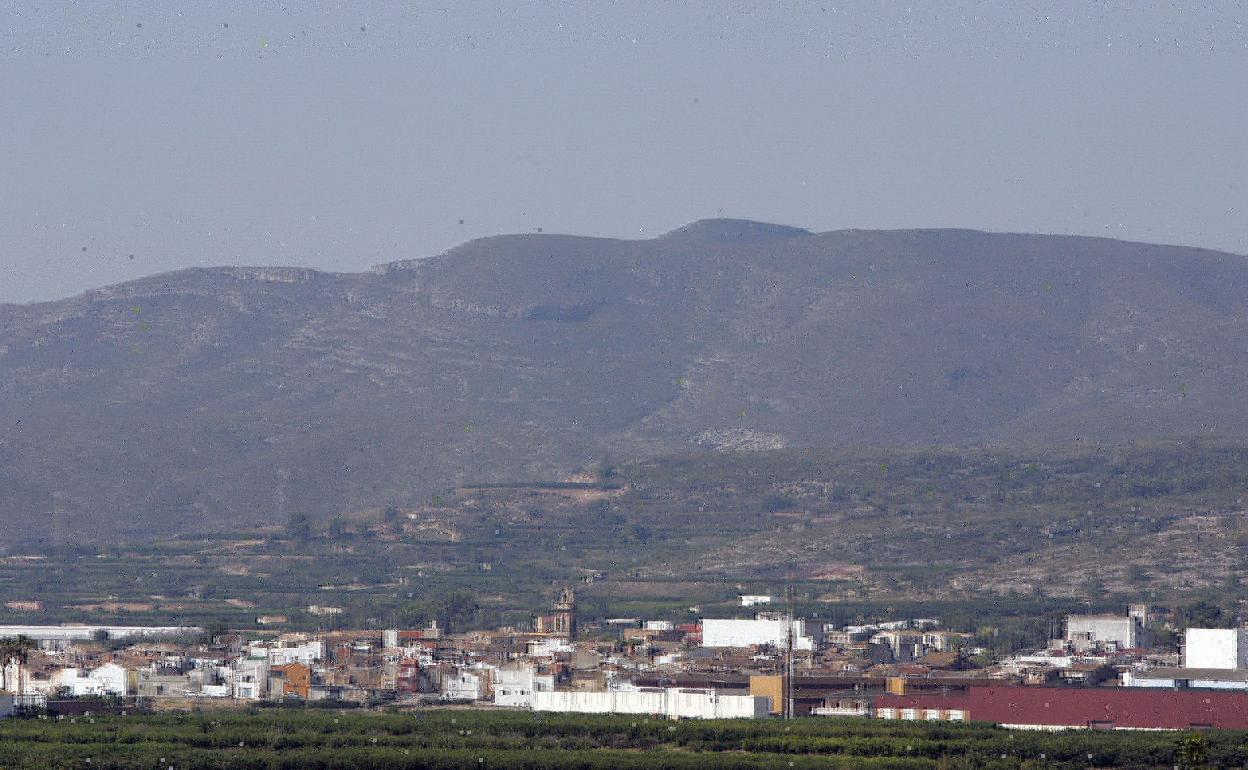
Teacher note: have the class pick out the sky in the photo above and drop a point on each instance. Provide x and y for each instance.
(141, 137)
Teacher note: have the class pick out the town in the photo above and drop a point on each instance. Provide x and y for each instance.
(1102, 671)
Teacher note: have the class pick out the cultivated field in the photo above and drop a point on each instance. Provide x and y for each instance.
(472, 739)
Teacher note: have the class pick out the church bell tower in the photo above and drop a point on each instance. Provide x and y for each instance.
(565, 613)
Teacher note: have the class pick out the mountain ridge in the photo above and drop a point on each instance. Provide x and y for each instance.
(398, 265)
(238, 394)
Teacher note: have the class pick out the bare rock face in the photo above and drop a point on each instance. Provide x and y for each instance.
(740, 440)
(211, 398)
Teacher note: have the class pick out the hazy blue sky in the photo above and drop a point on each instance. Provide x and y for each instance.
(341, 135)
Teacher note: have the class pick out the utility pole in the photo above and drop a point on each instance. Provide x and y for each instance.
(788, 656)
(58, 533)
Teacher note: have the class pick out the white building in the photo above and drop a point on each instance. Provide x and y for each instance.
(215, 691)
(322, 611)
(940, 640)
(665, 702)
(14, 678)
(749, 633)
(250, 679)
(84, 633)
(548, 647)
(1185, 678)
(751, 600)
(515, 683)
(905, 645)
(283, 653)
(1225, 648)
(465, 685)
(1106, 631)
(894, 625)
(108, 679)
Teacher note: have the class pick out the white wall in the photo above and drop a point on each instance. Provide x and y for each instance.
(1217, 684)
(747, 633)
(606, 702)
(1225, 648)
(1149, 679)
(86, 633)
(670, 702)
(713, 705)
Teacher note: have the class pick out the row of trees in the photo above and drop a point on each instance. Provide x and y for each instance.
(454, 611)
(281, 739)
(301, 528)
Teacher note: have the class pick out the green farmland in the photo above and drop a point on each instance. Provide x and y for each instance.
(296, 740)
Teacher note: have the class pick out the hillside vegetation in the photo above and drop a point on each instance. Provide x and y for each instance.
(850, 529)
(233, 397)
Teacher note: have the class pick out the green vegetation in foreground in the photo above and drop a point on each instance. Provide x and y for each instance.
(457, 739)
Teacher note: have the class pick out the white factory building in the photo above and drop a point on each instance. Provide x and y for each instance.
(1223, 648)
(759, 631)
(1107, 632)
(85, 633)
(671, 702)
(1213, 658)
(1187, 678)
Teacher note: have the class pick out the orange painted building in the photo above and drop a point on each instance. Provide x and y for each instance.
(296, 679)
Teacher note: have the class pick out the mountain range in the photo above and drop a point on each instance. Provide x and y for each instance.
(207, 399)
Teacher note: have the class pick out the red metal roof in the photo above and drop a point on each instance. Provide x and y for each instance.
(1127, 707)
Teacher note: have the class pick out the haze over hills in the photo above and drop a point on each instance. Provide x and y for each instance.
(211, 398)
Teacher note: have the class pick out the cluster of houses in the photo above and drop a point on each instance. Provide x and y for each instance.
(767, 664)
(622, 665)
